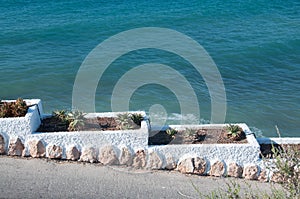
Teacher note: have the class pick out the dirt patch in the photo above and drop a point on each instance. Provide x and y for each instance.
(199, 136)
(54, 124)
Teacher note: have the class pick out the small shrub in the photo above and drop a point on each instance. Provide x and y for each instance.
(287, 166)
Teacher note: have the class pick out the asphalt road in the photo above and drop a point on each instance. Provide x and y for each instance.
(41, 178)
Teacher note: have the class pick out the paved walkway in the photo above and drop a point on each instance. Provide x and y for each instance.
(40, 178)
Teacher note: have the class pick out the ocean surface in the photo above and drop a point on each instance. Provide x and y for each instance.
(254, 43)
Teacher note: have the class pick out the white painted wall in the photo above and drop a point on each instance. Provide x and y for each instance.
(134, 139)
(242, 154)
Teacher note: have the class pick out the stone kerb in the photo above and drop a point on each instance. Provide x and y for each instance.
(22, 126)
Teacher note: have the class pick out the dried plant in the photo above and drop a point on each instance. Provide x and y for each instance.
(13, 109)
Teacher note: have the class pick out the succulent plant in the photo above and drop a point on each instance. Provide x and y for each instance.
(137, 118)
(190, 132)
(76, 120)
(126, 121)
(235, 132)
(171, 132)
(61, 115)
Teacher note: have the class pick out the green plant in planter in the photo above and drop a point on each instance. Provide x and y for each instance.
(76, 120)
(125, 121)
(190, 132)
(171, 132)
(235, 132)
(137, 118)
(195, 134)
(61, 115)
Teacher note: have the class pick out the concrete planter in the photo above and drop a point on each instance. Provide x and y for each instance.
(134, 139)
(22, 126)
(241, 154)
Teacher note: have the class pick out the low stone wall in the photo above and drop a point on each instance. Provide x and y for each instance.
(138, 159)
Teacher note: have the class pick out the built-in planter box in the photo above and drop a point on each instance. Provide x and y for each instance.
(132, 138)
(242, 154)
(22, 126)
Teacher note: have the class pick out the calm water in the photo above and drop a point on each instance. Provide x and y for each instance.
(255, 44)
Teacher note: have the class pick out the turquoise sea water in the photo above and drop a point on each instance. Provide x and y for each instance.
(255, 45)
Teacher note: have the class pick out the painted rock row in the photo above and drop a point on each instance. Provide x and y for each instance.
(139, 159)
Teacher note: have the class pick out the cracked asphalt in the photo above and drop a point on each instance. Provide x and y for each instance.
(42, 178)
